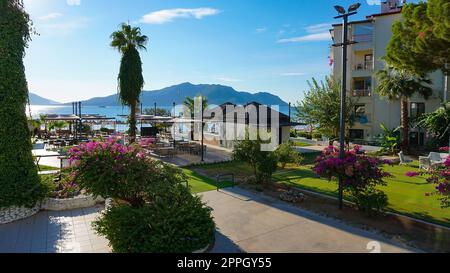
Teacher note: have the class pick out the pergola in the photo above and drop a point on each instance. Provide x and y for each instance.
(72, 118)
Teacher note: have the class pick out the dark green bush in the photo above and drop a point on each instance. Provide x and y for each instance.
(177, 223)
(263, 163)
(317, 136)
(19, 181)
(286, 153)
(370, 200)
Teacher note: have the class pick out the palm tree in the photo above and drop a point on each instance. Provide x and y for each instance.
(400, 85)
(58, 126)
(128, 41)
(189, 103)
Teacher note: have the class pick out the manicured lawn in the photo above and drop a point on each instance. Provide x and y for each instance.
(406, 194)
(200, 183)
(301, 144)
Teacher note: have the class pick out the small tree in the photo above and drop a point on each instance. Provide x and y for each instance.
(321, 106)
(401, 85)
(286, 153)
(361, 175)
(263, 163)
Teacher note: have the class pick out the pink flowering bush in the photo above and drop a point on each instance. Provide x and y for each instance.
(444, 149)
(110, 169)
(360, 176)
(440, 176)
(144, 142)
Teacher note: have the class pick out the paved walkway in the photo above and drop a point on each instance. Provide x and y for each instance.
(54, 232)
(259, 224)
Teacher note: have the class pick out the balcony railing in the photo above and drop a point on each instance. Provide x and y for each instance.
(363, 38)
(363, 66)
(362, 93)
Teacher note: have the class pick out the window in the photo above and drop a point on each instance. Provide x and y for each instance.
(368, 61)
(416, 139)
(417, 109)
(356, 134)
(362, 33)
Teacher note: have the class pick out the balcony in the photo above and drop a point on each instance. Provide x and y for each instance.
(362, 93)
(363, 119)
(362, 38)
(368, 65)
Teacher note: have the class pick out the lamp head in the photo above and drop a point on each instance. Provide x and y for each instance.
(354, 7)
(339, 9)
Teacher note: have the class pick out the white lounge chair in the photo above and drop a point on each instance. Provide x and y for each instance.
(403, 159)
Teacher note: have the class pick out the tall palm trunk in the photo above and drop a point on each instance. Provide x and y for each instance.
(404, 122)
(132, 122)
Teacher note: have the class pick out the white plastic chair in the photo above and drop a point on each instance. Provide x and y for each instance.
(403, 159)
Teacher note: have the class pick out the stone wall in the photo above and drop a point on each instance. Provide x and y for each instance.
(17, 213)
(78, 202)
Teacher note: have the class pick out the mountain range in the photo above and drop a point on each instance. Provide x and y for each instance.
(38, 100)
(215, 93)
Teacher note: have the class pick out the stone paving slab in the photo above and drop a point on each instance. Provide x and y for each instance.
(260, 224)
(54, 232)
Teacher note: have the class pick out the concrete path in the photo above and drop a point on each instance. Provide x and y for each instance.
(54, 232)
(259, 224)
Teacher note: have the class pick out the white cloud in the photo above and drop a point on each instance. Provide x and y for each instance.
(318, 28)
(62, 28)
(50, 16)
(227, 79)
(261, 30)
(322, 36)
(293, 74)
(73, 2)
(373, 2)
(168, 15)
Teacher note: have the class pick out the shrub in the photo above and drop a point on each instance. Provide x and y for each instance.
(317, 136)
(360, 175)
(294, 133)
(389, 140)
(19, 182)
(286, 153)
(153, 212)
(263, 163)
(370, 200)
(109, 169)
(179, 224)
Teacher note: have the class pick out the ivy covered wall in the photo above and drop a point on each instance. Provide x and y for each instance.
(19, 181)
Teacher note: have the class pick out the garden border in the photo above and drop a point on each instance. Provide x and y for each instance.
(14, 213)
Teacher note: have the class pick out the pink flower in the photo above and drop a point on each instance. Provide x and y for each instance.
(412, 174)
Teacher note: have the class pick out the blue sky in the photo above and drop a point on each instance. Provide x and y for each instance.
(251, 45)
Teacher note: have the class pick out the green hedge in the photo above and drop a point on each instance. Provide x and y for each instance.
(19, 181)
(176, 223)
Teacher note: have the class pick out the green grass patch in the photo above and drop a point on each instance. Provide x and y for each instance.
(44, 168)
(199, 183)
(301, 144)
(406, 194)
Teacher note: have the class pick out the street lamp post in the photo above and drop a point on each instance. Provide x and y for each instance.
(345, 42)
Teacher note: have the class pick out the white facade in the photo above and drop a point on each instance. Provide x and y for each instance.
(364, 60)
